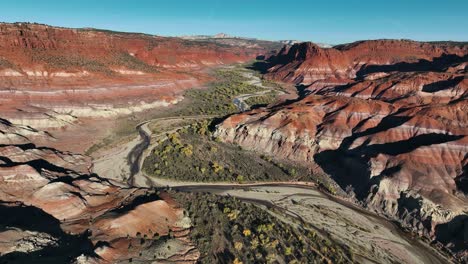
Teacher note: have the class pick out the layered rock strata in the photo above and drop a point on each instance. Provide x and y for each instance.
(50, 76)
(54, 210)
(395, 137)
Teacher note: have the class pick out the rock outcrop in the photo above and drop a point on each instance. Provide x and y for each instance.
(54, 210)
(306, 63)
(392, 132)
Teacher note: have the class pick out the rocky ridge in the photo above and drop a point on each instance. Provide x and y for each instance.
(54, 209)
(307, 63)
(392, 133)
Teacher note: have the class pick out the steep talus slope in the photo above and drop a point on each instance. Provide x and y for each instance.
(393, 133)
(54, 210)
(51, 76)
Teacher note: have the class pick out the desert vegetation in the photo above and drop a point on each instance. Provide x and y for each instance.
(132, 63)
(238, 232)
(217, 98)
(70, 61)
(193, 154)
(4, 63)
(65, 62)
(261, 100)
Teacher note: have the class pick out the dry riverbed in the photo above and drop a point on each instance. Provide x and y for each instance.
(372, 238)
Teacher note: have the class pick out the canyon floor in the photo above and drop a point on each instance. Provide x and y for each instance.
(120, 147)
(371, 238)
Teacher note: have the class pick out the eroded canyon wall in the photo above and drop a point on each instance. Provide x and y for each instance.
(386, 119)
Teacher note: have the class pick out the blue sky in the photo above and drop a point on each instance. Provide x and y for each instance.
(328, 21)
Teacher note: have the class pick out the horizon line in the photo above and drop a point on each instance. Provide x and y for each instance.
(231, 35)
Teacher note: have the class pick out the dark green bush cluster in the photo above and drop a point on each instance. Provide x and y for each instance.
(227, 230)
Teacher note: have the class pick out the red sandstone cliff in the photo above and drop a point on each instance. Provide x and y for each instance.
(306, 63)
(50, 75)
(386, 119)
(41, 47)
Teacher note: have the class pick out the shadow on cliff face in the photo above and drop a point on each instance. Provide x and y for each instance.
(33, 219)
(38, 164)
(405, 146)
(351, 167)
(302, 91)
(462, 180)
(454, 233)
(409, 208)
(437, 64)
(125, 208)
(442, 85)
(346, 169)
(260, 66)
(386, 123)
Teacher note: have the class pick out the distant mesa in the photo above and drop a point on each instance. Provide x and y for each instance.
(216, 36)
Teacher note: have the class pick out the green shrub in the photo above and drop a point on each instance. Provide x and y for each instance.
(192, 154)
(246, 233)
(132, 63)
